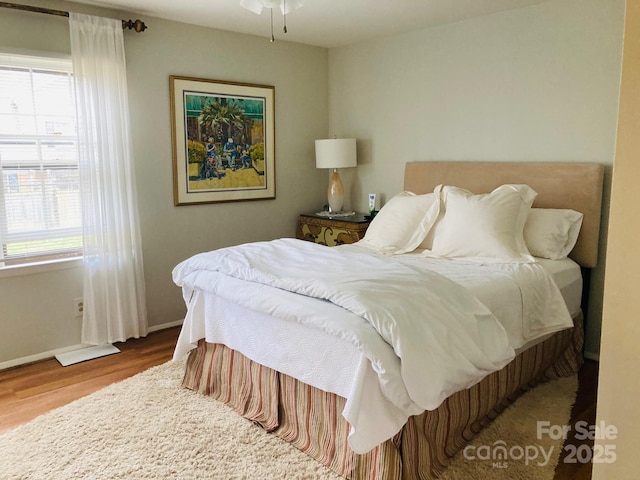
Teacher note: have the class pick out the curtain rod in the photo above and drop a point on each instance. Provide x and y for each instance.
(137, 25)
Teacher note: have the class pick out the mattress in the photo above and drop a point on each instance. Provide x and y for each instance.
(568, 276)
(335, 365)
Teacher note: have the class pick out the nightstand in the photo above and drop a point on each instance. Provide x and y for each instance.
(331, 231)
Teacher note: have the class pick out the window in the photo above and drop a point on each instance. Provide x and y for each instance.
(40, 216)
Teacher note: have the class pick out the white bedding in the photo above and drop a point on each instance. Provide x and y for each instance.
(505, 288)
(272, 326)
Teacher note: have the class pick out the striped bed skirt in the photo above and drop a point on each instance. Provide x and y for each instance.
(311, 420)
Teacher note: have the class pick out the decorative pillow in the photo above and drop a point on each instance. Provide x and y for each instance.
(487, 227)
(552, 233)
(402, 223)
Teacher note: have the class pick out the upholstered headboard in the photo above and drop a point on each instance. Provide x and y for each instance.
(577, 186)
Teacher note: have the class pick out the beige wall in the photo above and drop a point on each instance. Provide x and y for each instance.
(37, 310)
(619, 389)
(532, 84)
(539, 83)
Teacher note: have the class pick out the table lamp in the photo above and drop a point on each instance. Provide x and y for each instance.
(336, 153)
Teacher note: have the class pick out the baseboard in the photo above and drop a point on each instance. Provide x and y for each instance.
(52, 353)
(40, 356)
(164, 326)
(592, 356)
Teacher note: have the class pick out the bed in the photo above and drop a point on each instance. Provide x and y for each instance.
(390, 409)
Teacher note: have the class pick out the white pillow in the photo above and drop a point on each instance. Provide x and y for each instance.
(552, 232)
(402, 223)
(486, 227)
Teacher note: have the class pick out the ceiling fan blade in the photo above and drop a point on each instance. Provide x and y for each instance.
(289, 6)
(254, 6)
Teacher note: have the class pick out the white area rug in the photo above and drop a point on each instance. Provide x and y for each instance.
(149, 427)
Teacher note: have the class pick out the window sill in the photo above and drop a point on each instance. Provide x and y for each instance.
(40, 267)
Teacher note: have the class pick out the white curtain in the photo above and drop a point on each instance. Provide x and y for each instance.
(114, 294)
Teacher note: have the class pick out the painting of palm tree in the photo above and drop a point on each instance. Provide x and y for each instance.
(228, 139)
(224, 118)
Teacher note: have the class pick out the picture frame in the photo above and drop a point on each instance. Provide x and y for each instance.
(223, 138)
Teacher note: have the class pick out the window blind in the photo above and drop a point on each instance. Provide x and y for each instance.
(40, 217)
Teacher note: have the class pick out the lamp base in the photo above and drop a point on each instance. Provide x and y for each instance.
(335, 193)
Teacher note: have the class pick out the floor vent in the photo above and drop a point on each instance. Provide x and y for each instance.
(84, 354)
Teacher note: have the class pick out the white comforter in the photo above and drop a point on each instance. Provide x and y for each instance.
(425, 336)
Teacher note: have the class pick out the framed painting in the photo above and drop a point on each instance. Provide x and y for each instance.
(223, 137)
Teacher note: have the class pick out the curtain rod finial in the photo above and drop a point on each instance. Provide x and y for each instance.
(137, 25)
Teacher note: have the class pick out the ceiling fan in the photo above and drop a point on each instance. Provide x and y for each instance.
(285, 6)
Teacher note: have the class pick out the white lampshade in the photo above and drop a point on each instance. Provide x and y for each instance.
(336, 153)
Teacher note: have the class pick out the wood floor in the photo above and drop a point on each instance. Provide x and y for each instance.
(31, 390)
(584, 410)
